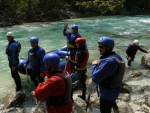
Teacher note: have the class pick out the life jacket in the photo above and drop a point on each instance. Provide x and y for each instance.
(70, 45)
(33, 58)
(64, 98)
(134, 49)
(8, 52)
(84, 62)
(113, 81)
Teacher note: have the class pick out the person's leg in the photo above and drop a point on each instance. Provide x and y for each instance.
(40, 79)
(105, 106)
(72, 94)
(83, 80)
(129, 63)
(115, 108)
(15, 75)
(130, 59)
(33, 76)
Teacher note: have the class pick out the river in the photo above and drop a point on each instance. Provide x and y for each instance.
(123, 29)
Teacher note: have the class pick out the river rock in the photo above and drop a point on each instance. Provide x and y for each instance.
(124, 97)
(135, 73)
(125, 88)
(124, 107)
(146, 60)
(14, 99)
(137, 89)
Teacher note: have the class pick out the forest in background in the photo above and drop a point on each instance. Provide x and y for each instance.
(22, 11)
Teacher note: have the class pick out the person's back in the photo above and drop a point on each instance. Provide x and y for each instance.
(56, 91)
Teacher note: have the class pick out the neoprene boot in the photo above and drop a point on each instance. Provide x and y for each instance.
(129, 63)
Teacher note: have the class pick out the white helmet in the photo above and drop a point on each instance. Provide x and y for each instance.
(10, 34)
(136, 42)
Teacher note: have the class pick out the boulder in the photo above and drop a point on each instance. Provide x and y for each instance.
(145, 61)
(14, 99)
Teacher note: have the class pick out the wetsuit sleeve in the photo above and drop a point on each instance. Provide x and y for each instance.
(142, 50)
(64, 32)
(128, 50)
(81, 56)
(105, 69)
(14, 53)
(42, 64)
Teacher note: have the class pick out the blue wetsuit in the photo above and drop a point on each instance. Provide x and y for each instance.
(102, 75)
(71, 37)
(35, 64)
(13, 58)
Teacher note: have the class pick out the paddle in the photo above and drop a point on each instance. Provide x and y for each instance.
(90, 84)
(27, 75)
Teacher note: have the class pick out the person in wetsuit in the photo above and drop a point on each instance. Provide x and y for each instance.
(34, 64)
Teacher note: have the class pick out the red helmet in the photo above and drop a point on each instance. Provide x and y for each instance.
(80, 40)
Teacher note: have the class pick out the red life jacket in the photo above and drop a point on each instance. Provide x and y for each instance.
(65, 98)
(83, 63)
(134, 49)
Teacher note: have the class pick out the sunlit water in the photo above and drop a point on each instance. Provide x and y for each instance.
(124, 29)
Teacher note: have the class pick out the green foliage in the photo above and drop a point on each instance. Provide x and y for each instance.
(100, 6)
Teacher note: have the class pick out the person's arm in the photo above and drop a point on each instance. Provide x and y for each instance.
(142, 50)
(14, 53)
(42, 64)
(64, 32)
(65, 29)
(81, 56)
(105, 69)
(128, 50)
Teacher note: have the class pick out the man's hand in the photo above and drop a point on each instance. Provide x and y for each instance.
(66, 26)
(129, 58)
(25, 65)
(13, 68)
(67, 58)
(42, 75)
(95, 62)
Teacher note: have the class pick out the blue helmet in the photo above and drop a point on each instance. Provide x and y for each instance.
(107, 41)
(34, 40)
(52, 59)
(74, 26)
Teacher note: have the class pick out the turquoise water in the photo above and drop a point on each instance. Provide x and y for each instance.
(124, 29)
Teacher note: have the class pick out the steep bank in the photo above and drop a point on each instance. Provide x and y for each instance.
(82, 9)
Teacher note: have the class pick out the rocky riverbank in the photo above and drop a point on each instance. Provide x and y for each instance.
(134, 98)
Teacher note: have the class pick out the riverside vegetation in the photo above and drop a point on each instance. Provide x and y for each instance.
(21, 11)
